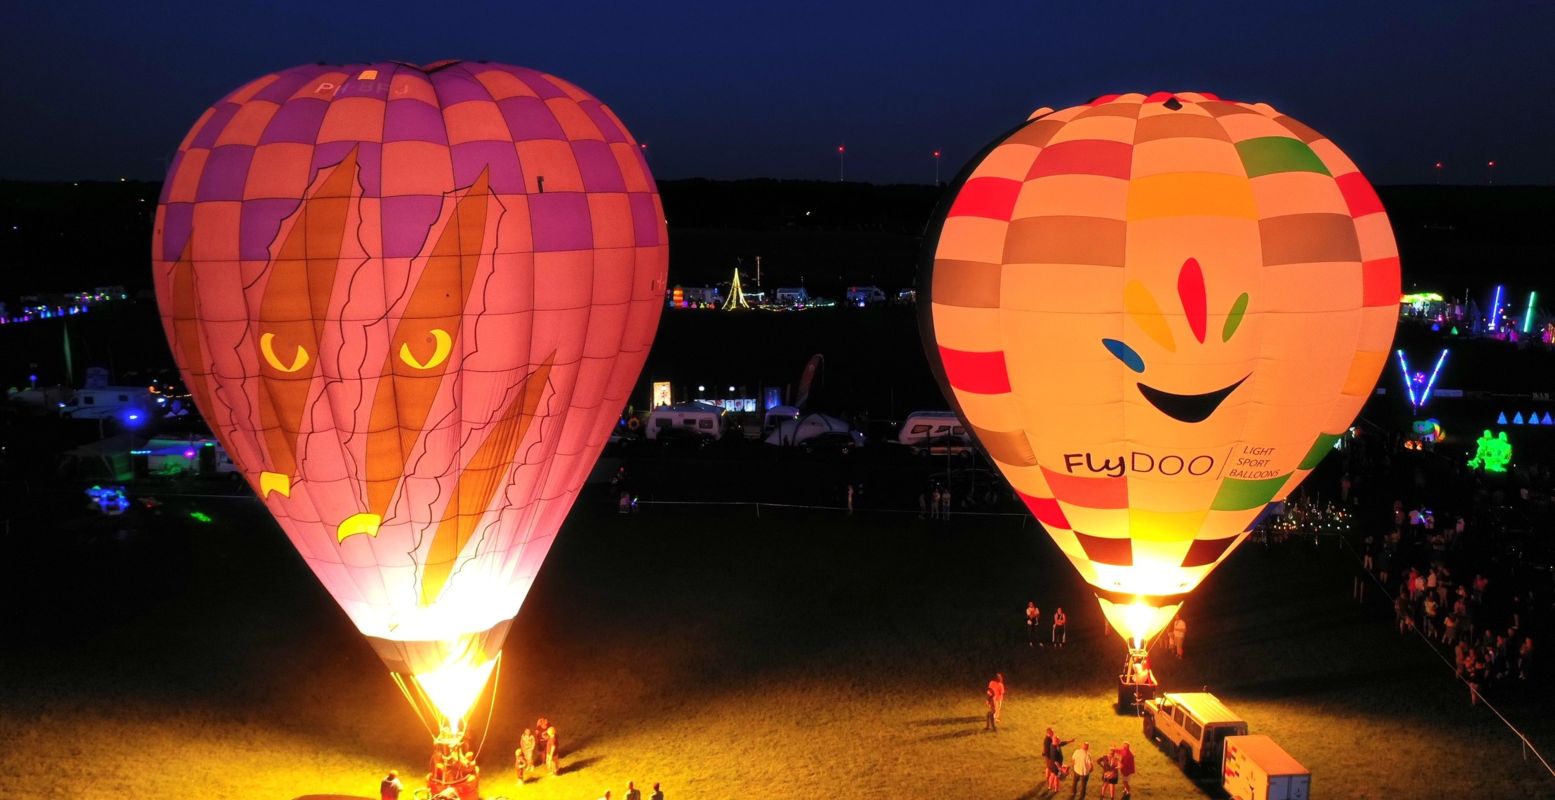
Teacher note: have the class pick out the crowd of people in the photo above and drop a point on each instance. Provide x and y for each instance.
(1112, 770)
(634, 793)
(537, 749)
(1446, 523)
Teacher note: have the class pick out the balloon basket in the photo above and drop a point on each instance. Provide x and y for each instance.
(454, 774)
(1136, 683)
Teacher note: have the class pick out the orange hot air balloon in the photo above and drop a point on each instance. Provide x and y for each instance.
(411, 303)
(1157, 314)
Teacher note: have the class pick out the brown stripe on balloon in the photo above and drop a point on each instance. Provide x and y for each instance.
(421, 342)
(1007, 447)
(1036, 133)
(294, 308)
(1308, 239)
(479, 482)
(1095, 241)
(969, 284)
(1174, 126)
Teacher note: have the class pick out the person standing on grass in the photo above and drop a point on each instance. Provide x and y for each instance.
(996, 687)
(1033, 618)
(990, 722)
(1056, 776)
(551, 748)
(390, 787)
(1179, 635)
(632, 792)
(1125, 767)
(526, 752)
(934, 504)
(1082, 771)
(945, 499)
(1060, 627)
(658, 794)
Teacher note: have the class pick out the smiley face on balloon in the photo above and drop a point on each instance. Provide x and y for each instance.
(1157, 313)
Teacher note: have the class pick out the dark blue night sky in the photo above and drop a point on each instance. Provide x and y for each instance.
(745, 89)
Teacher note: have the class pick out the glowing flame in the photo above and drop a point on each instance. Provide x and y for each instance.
(1138, 621)
(453, 687)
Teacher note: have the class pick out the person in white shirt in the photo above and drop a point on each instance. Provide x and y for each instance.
(1082, 766)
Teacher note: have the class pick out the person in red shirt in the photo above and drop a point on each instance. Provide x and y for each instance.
(996, 691)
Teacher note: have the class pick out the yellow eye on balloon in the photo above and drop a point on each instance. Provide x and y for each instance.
(443, 345)
(267, 349)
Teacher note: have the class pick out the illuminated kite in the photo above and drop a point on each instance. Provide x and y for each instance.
(411, 302)
(1158, 313)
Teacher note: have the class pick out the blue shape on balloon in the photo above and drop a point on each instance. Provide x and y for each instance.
(1125, 354)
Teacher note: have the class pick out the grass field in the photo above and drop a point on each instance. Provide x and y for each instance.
(805, 654)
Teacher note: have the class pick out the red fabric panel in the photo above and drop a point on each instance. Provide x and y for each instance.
(973, 371)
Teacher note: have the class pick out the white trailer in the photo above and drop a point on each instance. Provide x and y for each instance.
(704, 418)
(933, 430)
(1256, 768)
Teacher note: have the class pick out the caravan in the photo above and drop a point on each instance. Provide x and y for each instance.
(703, 419)
(865, 295)
(934, 433)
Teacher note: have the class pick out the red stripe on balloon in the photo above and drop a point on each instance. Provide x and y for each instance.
(1190, 290)
(973, 371)
(993, 198)
(1046, 510)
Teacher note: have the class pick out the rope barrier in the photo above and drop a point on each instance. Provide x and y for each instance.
(1527, 743)
(757, 504)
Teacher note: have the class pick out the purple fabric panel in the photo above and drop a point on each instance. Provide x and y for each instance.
(406, 221)
(172, 169)
(260, 222)
(606, 125)
(598, 167)
(225, 172)
(369, 163)
(645, 219)
(507, 177)
(413, 120)
(537, 82)
(213, 126)
(177, 222)
(530, 118)
(282, 88)
(560, 221)
(456, 85)
(296, 121)
(642, 163)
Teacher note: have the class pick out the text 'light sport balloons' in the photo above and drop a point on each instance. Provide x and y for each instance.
(1157, 314)
(411, 303)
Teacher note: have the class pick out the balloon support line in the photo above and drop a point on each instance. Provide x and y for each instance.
(1527, 743)
(759, 505)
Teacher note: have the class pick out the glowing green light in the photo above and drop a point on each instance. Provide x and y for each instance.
(200, 516)
(1528, 315)
(1492, 453)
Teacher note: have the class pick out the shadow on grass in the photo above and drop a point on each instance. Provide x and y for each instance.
(940, 737)
(579, 765)
(1039, 791)
(924, 723)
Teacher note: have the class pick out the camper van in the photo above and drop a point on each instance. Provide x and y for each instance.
(792, 296)
(865, 295)
(934, 433)
(1256, 768)
(706, 419)
(107, 401)
(1193, 727)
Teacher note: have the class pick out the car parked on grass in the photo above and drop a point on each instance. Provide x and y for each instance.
(1192, 727)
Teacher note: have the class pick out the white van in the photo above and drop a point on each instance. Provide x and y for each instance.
(706, 419)
(792, 296)
(1256, 768)
(934, 432)
(865, 295)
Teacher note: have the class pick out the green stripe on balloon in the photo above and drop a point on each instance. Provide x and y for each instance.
(1320, 448)
(1239, 494)
(1234, 320)
(1271, 154)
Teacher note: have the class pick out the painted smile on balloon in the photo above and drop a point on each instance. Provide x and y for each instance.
(1146, 313)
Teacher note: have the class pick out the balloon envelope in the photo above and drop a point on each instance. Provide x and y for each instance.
(1157, 314)
(411, 302)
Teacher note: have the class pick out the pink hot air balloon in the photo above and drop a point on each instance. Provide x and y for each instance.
(411, 302)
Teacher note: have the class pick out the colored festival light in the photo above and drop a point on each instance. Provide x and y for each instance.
(1528, 315)
(1495, 310)
(1430, 383)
